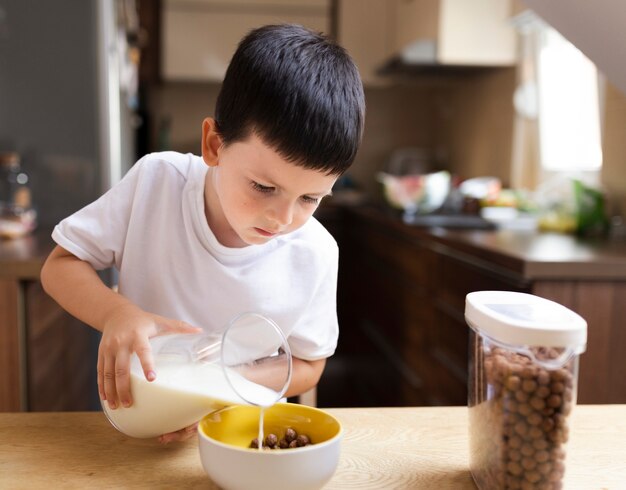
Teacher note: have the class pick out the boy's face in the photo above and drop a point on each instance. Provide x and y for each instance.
(253, 195)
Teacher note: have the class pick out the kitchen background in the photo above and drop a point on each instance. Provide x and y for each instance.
(87, 87)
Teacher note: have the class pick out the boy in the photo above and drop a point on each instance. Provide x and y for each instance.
(199, 240)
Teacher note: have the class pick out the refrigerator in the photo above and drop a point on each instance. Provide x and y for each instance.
(68, 97)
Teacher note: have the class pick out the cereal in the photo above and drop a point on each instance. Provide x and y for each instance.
(290, 439)
(271, 440)
(518, 419)
(521, 391)
(290, 434)
(303, 440)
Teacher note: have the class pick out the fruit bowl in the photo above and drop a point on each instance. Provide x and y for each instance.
(416, 193)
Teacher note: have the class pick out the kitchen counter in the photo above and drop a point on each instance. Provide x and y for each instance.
(417, 448)
(402, 289)
(23, 257)
(530, 255)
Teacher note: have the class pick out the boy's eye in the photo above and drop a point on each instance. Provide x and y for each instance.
(310, 200)
(266, 189)
(261, 188)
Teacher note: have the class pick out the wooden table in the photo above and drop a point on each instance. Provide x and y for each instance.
(400, 448)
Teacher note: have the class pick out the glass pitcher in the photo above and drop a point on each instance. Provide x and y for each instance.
(249, 363)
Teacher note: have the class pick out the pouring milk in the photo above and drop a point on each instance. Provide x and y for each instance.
(196, 377)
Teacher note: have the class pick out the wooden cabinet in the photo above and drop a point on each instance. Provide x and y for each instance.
(363, 28)
(47, 357)
(427, 33)
(12, 384)
(61, 356)
(602, 303)
(402, 300)
(150, 24)
(407, 295)
(199, 37)
(454, 32)
(384, 284)
(457, 275)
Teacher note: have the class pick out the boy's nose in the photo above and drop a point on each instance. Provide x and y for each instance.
(282, 213)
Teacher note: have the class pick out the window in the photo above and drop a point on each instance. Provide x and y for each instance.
(568, 106)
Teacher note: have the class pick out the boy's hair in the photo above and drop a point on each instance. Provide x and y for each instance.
(299, 92)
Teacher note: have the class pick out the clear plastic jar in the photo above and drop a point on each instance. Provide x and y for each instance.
(17, 216)
(523, 377)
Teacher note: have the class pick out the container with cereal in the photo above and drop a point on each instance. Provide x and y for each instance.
(523, 373)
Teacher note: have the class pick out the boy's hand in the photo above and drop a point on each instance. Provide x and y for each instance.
(179, 435)
(127, 330)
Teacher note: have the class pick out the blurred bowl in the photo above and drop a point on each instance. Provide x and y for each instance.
(225, 437)
(416, 193)
(482, 188)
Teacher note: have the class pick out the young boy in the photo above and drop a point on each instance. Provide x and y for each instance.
(198, 241)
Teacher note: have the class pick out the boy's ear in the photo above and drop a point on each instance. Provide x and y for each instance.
(211, 142)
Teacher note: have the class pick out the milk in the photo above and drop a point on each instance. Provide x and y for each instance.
(180, 396)
(260, 438)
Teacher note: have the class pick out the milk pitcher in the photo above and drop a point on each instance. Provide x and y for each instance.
(249, 363)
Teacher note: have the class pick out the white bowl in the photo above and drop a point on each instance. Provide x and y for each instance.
(225, 437)
(423, 193)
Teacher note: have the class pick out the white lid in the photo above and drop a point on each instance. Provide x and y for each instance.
(524, 319)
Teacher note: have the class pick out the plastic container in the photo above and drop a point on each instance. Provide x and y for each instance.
(17, 216)
(523, 376)
(248, 364)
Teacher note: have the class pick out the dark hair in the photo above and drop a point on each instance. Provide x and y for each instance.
(299, 92)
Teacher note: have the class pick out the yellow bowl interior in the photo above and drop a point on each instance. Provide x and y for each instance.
(238, 425)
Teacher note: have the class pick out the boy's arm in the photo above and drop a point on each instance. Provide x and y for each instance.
(75, 285)
(304, 375)
(125, 327)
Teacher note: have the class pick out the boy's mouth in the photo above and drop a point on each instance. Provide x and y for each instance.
(265, 233)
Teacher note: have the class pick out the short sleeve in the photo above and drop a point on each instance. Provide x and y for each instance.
(97, 232)
(316, 334)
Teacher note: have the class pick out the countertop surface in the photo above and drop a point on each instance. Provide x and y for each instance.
(528, 254)
(23, 257)
(400, 448)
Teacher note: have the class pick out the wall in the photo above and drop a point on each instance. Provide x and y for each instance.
(475, 118)
(467, 121)
(397, 116)
(185, 105)
(614, 149)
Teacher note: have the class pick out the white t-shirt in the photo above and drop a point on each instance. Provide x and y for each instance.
(152, 227)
